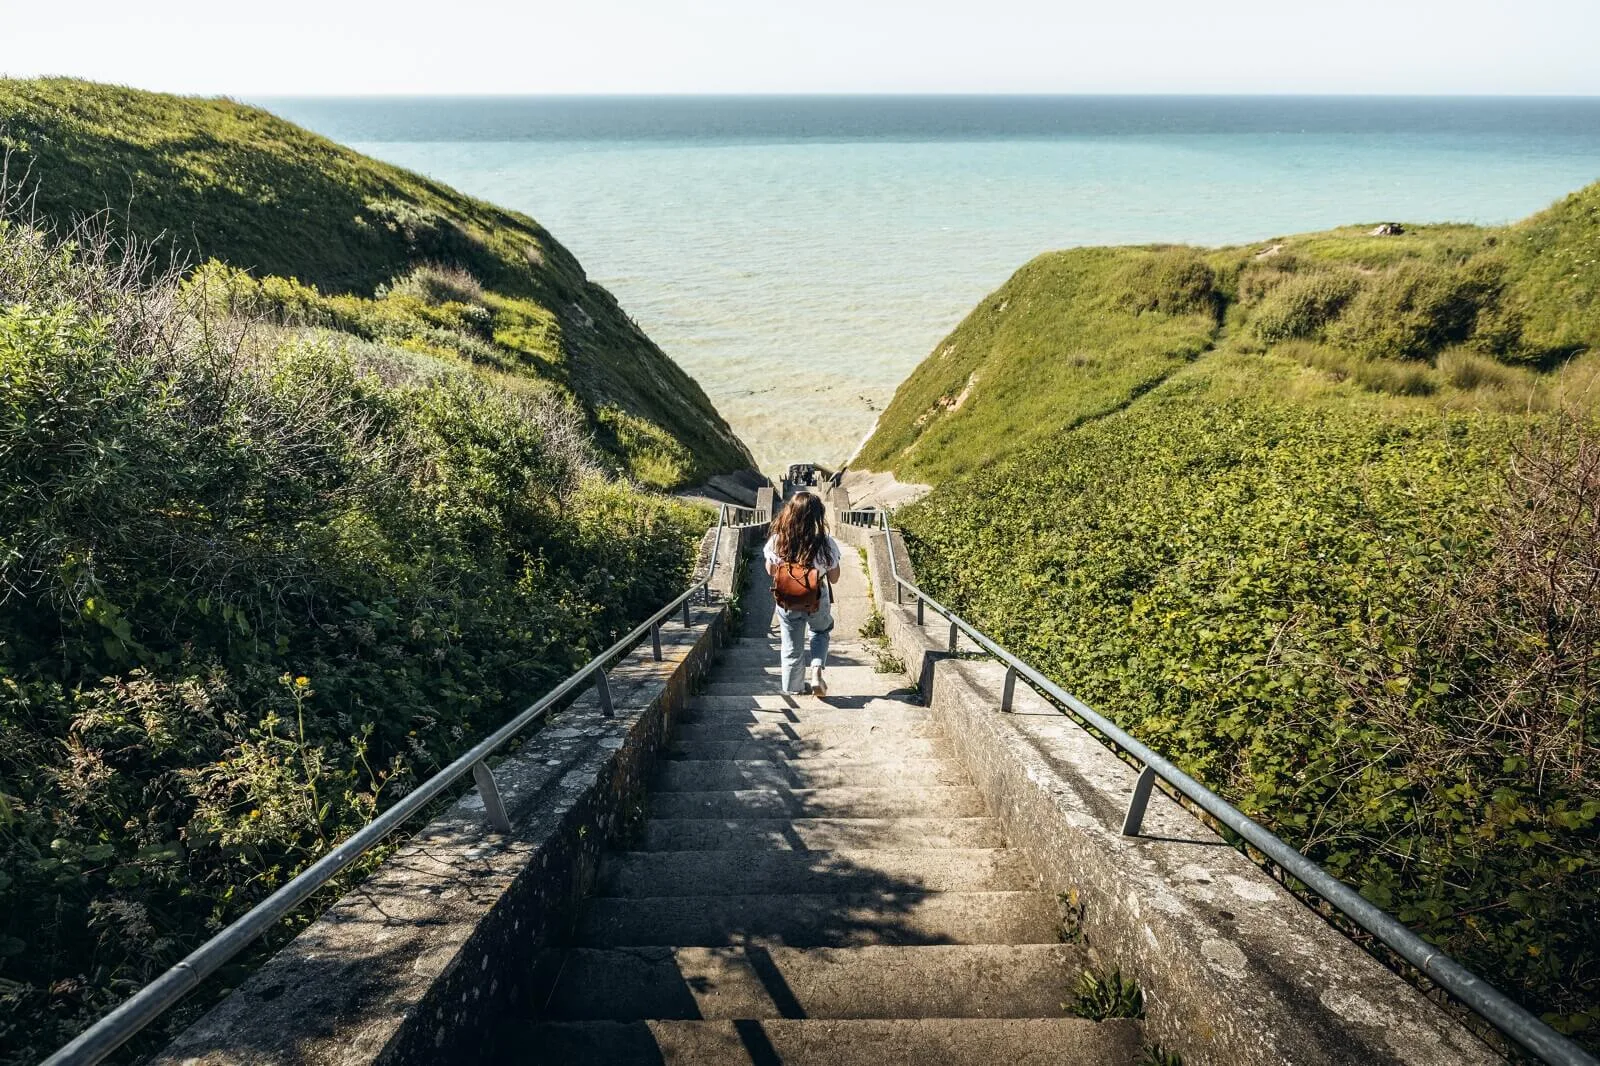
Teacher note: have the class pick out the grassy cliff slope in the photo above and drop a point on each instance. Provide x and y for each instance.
(1320, 519)
(213, 179)
(1078, 333)
(285, 525)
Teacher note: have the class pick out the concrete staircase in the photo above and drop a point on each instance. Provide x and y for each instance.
(816, 882)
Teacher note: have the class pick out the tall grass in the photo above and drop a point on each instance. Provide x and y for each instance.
(1368, 624)
(323, 230)
(255, 581)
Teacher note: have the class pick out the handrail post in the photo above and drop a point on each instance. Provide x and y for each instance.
(716, 546)
(602, 692)
(954, 632)
(1008, 691)
(894, 568)
(919, 609)
(686, 623)
(655, 642)
(1138, 802)
(493, 806)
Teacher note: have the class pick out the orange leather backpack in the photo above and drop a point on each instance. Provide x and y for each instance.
(797, 587)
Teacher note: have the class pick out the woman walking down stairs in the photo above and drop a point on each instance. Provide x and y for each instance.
(817, 883)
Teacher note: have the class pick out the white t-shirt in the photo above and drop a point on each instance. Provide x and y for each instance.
(831, 557)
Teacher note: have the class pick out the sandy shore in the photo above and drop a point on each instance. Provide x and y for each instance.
(870, 488)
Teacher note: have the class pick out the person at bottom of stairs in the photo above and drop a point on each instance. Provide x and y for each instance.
(803, 562)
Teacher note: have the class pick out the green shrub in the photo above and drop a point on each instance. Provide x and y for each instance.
(1326, 611)
(436, 285)
(1303, 305)
(1173, 281)
(253, 585)
(1264, 271)
(1468, 370)
(1413, 310)
(1397, 379)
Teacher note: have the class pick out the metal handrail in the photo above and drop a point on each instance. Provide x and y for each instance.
(1488, 1002)
(136, 1012)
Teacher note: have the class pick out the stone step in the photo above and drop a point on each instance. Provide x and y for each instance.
(955, 801)
(837, 672)
(937, 981)
(829, 1042)
(818, 834)
(856, 729)
(860, 747)
(639, 874)
(769, 665)
(745, 655)
(779, 708)
(820, 920)
(710, 775)
(848, 683)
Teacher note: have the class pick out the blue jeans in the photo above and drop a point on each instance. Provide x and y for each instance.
(792, 626)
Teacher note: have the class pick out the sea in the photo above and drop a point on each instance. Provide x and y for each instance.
(800, 255)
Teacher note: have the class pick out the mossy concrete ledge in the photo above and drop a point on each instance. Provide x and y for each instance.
(416, 963)
(1236, 971)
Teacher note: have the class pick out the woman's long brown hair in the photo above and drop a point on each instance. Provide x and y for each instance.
(799, 529)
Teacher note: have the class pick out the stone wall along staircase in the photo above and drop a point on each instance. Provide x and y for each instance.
(817, 881)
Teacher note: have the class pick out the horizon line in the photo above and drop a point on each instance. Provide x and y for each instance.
(887, 95)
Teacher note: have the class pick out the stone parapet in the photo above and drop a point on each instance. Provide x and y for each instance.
(1236, 971)
(417, 962)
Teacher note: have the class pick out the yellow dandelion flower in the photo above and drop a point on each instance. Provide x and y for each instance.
(302, 681)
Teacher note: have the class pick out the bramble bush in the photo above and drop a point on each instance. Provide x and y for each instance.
(334, 238)
(1356, 620)
(1331, 547)
(255, 582)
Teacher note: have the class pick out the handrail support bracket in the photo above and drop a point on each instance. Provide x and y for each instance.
(494, 808)
(1138, 802)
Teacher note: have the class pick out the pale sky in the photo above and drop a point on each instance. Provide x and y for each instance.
(288, 47)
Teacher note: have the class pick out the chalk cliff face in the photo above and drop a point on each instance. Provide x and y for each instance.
(213, 179)
(1315, 518)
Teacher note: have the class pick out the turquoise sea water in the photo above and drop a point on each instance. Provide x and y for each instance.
(800, 256)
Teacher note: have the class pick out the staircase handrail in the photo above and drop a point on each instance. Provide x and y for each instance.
(136, 1012)
(1482, 998)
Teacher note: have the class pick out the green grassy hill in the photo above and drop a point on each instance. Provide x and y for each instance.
(1076, 334)
(379, 252)
(1319, 519)
(295, 504)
